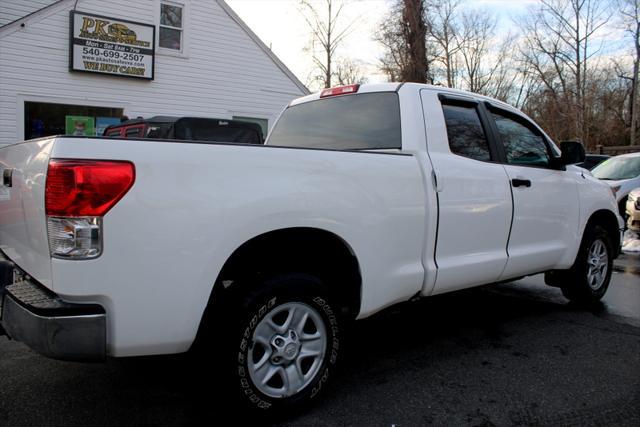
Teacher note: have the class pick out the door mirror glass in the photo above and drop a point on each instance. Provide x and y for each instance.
(572, 152)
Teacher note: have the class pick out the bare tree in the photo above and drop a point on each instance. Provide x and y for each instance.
(525, 83)
(554, 69)
(630, 11)
(403, 35)
(441, 18)
(349, 71)
(328, 31)
(395, 57)
(474, 43)
(559, 47)
(414, 32)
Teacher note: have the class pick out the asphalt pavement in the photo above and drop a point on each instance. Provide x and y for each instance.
(508, 354)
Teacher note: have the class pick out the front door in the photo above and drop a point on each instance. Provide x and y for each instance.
(545, 199)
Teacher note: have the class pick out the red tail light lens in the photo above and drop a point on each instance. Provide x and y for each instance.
(86, 187)
(339, 90)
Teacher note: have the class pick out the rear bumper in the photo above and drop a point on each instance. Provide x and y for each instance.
(37, 317)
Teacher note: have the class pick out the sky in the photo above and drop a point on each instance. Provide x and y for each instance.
(280, 25)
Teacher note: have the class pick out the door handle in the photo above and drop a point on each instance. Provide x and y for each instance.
(7, 179)
(437, 184)
(517, 182)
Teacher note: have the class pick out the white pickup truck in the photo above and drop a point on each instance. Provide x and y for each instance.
(362, 197)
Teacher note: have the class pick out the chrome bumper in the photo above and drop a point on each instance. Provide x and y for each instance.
(37, 317)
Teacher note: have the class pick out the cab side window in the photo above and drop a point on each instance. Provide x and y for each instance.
(465, 132)
(523, 145)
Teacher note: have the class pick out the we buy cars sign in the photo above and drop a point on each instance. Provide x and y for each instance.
(112, 46)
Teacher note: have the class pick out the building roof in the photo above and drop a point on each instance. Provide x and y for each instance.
(17, 10)
(23, 10)
(264, 47)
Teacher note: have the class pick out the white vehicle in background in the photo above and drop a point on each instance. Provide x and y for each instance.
(363, 197)
(622, 173)
(633, 210)
(631, 239)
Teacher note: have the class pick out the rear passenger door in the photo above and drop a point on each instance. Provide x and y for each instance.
(473, 193)
(545, 197)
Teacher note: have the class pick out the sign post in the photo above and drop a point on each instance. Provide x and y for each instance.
(117, 47)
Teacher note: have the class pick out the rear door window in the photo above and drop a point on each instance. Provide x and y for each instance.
(465, 132)
(365, 121)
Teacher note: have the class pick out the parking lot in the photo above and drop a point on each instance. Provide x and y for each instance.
(506, 354)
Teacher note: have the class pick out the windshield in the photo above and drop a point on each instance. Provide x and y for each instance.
(617, 168)
(366, 121)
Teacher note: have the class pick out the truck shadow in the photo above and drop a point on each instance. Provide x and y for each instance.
(409, 336)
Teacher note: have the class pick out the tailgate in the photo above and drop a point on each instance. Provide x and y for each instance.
(23, 225)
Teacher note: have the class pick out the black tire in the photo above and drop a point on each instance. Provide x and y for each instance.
(622, 208)
(577, 284)
(302, 292)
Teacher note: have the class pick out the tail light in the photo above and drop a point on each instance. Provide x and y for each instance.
(339, 90)
(78, 194)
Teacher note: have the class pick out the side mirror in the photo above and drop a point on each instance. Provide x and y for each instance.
(572, 152)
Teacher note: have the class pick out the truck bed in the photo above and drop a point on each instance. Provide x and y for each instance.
(193, 204)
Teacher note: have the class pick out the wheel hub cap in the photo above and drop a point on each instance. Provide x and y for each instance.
(285, 346)
(287, 349)
(597, 264)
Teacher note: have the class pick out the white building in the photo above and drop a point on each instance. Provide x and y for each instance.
(104, 59)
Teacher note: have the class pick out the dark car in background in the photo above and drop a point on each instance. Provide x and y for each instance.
(188, 129)
(593, 160)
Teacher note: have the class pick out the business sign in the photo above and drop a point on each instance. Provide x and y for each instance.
(111, 46)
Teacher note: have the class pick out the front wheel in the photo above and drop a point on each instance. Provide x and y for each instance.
(288, 342)
(588, 280)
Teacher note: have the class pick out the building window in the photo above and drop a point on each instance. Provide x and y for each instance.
(171, 26)
(45, 119)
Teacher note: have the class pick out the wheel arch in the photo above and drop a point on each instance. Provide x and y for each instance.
(607, 220)
(298, 249)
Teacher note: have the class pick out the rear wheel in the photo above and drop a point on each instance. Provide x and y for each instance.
(588, 280)
(286, 344)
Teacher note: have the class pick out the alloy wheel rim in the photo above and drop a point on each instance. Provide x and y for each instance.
(287, 349)
(597, 264)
